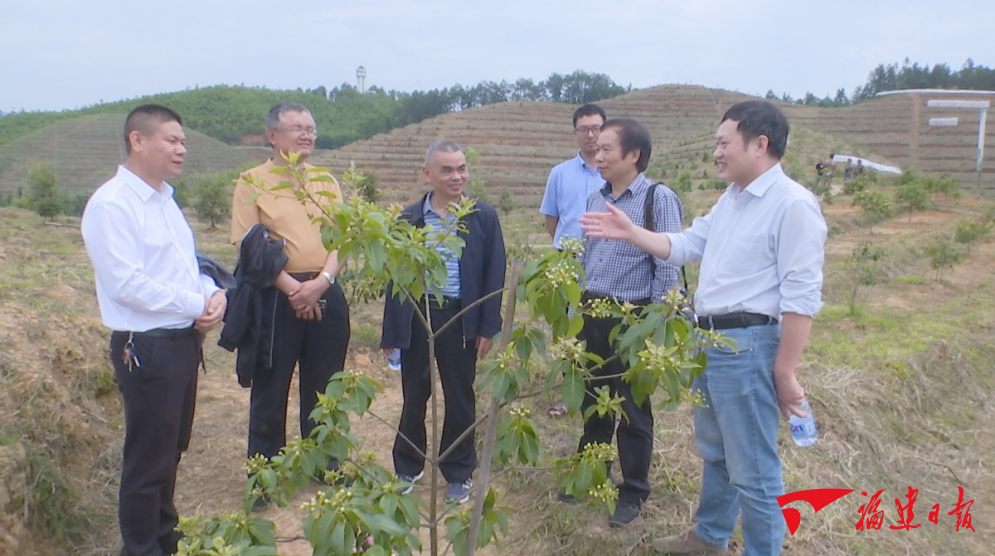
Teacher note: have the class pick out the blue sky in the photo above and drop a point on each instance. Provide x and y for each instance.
(67, 53)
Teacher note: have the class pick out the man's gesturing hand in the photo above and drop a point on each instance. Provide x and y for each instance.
(613, 224)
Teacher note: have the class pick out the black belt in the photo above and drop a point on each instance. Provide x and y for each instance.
(589, 296)
(734, 320)
(447, 302)
(166, 332)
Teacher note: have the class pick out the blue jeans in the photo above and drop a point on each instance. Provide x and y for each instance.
(736, 433)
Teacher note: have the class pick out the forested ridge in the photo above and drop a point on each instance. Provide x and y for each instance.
(343, 114)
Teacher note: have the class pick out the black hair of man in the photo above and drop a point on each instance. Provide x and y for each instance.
(632, 135)
(589, 110)
(759, 117)
(141, 119)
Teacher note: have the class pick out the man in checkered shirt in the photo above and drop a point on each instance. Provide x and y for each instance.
(619, 270)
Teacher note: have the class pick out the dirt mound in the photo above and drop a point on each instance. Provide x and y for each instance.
(58, 421)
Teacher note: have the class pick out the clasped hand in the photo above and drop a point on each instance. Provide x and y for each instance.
(304, 298)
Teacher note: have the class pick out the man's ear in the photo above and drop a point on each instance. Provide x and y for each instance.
(136, 140)
(763, 143)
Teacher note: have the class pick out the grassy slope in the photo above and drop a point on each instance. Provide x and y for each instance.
(86, 149)
(902, 392)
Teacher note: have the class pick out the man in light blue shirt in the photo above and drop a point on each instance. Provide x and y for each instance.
(572, 181)
(761, 250)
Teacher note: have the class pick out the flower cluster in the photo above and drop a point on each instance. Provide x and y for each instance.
(605, 492)
(600, 307)
(520, 412)
(599, 451)
(255, 464)
(573, 246)
(322, 500)
(560, 274)
(568, 349)
(659, 357)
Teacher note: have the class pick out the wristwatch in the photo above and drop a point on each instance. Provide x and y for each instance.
(328, 276)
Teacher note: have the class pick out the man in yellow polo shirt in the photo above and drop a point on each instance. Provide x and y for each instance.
(311, 322)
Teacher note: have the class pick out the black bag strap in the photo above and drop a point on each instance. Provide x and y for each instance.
(649, 222)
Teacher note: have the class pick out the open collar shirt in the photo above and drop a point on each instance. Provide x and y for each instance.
(440, 223)
(567, 189)
(143, 256)
(619, 269)
(761, 249)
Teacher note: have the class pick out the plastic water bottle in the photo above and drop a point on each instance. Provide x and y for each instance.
(394, 360)
(803, 430)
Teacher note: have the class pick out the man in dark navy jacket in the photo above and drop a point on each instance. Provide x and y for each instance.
(478, 271)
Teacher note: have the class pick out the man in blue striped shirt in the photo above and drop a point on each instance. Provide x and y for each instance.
(619, 270)
(478, 271)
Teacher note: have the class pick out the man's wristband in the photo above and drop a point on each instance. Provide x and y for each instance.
(328, 276)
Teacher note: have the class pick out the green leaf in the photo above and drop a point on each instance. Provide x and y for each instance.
(573, 390)
(576, 325)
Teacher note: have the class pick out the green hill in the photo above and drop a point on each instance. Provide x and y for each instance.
(229, 112)
(86, 149)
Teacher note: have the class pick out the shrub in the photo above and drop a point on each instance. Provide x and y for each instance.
(683, 182)
(908, 176)
(944, 184)
(876, 205)
(213, 197)
(913, 196)
(506, 202)
(46, 197)
(970, 231)
(942, 253)
(856, 185)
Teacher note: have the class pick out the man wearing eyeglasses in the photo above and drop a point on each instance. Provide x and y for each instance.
(570, 183)
(310, 324)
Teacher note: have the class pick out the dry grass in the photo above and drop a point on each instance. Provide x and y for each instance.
(902, 392)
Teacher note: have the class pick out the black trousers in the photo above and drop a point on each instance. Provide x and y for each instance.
(318, 348)
(457, 361)
(159, 399)
(635, 435)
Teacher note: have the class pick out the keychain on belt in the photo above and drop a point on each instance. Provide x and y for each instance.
(128, 353)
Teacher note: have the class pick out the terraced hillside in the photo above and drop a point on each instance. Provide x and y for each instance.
(897, 126)
(520, 141)
(85, 150)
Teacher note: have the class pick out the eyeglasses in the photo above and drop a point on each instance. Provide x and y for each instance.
(584, 130)
(300, 130)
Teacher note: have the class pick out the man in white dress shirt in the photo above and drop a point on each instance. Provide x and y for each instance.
(152, 295)
(761, 250)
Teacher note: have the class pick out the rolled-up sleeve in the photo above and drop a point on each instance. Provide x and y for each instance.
(687, 246)
(800, 257)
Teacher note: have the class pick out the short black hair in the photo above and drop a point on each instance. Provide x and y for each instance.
(589, 110)
(759, 117)
(632, 135)
(141, 119)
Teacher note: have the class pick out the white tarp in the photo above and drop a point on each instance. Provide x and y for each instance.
(867, 164)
